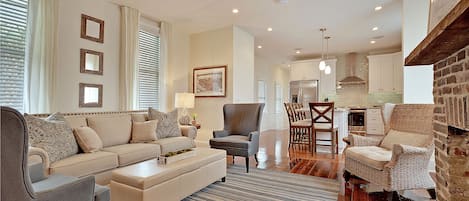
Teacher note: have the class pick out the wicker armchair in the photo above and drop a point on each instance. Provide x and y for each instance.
(400, 160)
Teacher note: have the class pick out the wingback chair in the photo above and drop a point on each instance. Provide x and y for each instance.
(240, 136)
(15, 180)
(399, 161)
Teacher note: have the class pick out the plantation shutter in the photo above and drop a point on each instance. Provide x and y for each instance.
(148, 69)
(13, 21)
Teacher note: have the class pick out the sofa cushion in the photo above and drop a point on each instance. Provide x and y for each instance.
(88, 139)
(373, 156)
(234, 141)
(76, 121)
(172, 144)
(113, 130)
(406, 138)
(53, 135)
(139, 117)
(132, 153)
(144, 131)
(84, 164)
(168, 125)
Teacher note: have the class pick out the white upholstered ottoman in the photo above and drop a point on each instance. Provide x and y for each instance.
(149, 180)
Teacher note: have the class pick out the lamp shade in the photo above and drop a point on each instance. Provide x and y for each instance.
(184, 100)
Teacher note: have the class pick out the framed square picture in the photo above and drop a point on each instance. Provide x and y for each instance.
(209, 81)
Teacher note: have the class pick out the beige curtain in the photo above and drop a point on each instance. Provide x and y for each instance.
(128, 58)
(41, 55)
(165, 39)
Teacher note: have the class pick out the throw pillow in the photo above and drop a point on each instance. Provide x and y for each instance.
(167, 123)
(144, 131)
(53, 135)
(88, 139)
(406, 138)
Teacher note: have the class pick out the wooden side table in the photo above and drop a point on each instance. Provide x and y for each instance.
(196, 125)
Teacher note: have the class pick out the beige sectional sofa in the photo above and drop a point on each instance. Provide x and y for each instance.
(114, 129)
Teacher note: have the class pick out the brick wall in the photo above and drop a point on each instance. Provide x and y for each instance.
(451, 125)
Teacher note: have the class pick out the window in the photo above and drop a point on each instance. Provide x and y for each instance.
(13, 21)
(278, 98)
(261, 95)
(148, 76)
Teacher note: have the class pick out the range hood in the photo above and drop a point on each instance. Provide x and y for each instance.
(351, 78)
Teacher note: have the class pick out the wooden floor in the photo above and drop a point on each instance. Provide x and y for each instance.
(274, 154)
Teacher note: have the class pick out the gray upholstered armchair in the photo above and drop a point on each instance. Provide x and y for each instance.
(15, 180)
(240, 136)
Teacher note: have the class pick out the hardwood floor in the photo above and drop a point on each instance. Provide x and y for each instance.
(274, 154)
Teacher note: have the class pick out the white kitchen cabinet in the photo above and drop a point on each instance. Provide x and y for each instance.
(309, 70)
(385, 73)
(304, 70)
(374, 122)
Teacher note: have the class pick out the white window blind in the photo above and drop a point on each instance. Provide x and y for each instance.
(13, 21)
(148, 69)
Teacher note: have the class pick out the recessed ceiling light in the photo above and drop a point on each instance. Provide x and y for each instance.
(297, 51)
(259, 46)
(269, 29)
(235, 10)
(378, 8)
(373, 42)
(375, 28)
(289, 65)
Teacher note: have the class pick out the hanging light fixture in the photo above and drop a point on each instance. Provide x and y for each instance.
(322, 63)
(327, 69)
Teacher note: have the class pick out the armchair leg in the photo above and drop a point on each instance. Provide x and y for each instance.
(233, 159)
(247, 164)
(255, 157)
(432, 193)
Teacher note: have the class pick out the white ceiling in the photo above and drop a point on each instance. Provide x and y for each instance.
(295, 24)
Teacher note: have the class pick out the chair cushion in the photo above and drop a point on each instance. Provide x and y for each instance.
(52, 182)
(324, 126)
(101, 193)
(88, 139)
(234, 141)
(305, 122)
(172, 144)
(84, 164)
(132, 153)
(406, 138)
(113, 130)
(373, 156)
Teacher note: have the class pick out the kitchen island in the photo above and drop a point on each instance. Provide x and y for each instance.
(340, 121)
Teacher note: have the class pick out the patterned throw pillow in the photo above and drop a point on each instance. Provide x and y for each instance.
(167, 123)
(53, 135)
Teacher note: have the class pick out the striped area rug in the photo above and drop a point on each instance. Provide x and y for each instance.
(268, 185)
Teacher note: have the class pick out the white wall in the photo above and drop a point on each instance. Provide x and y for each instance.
(272, 74)
(179, 70)
(243, 66)
(69, 44)
(212, 48)
(418, 81)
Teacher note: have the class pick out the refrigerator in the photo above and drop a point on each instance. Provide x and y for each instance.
(304, 91)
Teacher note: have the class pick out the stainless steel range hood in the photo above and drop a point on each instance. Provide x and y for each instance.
(351, 79)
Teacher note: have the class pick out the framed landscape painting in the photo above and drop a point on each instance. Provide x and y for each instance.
(209, 81)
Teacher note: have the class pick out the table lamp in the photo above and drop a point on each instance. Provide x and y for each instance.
(184, 101)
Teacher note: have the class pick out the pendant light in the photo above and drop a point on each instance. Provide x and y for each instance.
(322, 63)
(328, 69)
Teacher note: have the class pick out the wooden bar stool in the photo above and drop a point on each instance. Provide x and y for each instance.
(322, 116)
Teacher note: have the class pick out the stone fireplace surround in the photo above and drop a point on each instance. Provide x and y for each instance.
(447, 48)
(451, 122)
